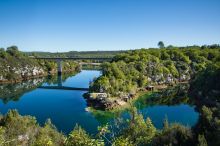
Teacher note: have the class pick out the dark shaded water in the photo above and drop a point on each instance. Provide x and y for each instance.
(67, 107)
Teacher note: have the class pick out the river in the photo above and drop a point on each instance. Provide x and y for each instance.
(66, 108)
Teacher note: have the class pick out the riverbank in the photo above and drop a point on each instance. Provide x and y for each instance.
(16, 67)
(20, 74)
(103, 102)
(35, 77)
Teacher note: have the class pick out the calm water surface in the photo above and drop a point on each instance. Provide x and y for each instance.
(67, 107)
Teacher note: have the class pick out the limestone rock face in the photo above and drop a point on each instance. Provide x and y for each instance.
(2, 78)
(20, 73)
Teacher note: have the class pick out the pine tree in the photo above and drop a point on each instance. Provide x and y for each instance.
(202, 141)
(165, 123)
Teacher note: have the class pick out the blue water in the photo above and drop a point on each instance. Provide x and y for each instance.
(183, 113)
(66, 108)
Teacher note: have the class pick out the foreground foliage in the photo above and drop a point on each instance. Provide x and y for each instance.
(24, 130)
(206, 90)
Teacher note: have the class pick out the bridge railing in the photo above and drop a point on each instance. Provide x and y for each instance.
(73, 58)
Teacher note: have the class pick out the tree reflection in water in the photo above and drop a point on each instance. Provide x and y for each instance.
(13, 91)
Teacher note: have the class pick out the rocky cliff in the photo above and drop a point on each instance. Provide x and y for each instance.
(16, 66)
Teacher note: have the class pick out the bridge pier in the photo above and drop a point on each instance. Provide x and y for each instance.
(59, 66)
(59, 80)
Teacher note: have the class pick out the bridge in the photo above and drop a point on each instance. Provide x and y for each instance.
(60, 59)
(75, 58)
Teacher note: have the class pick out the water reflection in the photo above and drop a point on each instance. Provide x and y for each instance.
(58, 79)
(67, 107)
(13, 91)
(171, 96)
(172, 102)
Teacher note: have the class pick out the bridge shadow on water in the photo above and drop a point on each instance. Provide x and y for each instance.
(59, 86)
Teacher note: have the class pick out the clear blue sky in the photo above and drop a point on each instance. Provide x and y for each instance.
(65, 25)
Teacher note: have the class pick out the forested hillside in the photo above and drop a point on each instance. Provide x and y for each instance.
(199, 66)
(136, 69)
(205, 90)
(206, 83)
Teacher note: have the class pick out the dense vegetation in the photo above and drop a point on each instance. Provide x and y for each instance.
(131, 71)
(206, 83)
(24, 130)
(15, 66)
(136, 69)
(205, 88)
(127, 73)
(51, 66)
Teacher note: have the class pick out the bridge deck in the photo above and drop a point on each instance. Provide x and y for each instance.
(73, 58)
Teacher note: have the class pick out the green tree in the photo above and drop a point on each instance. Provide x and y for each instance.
(16, 124)
(79, 137)
(49, 135)
(2, 53)
(164, 55)
(13, 51)
(202, 141)
(165, 124)
(142, 80)
(161, 44)
(121, 141)
(117, 72)
(139, 131)
(207, 113)
(2, 138)
(175, 135)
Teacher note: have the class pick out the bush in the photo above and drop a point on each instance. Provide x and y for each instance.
(175, 135)
(13, 51)
(79, 137)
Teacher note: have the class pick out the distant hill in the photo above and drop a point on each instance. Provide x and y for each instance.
(76, 54)
(108, 53)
